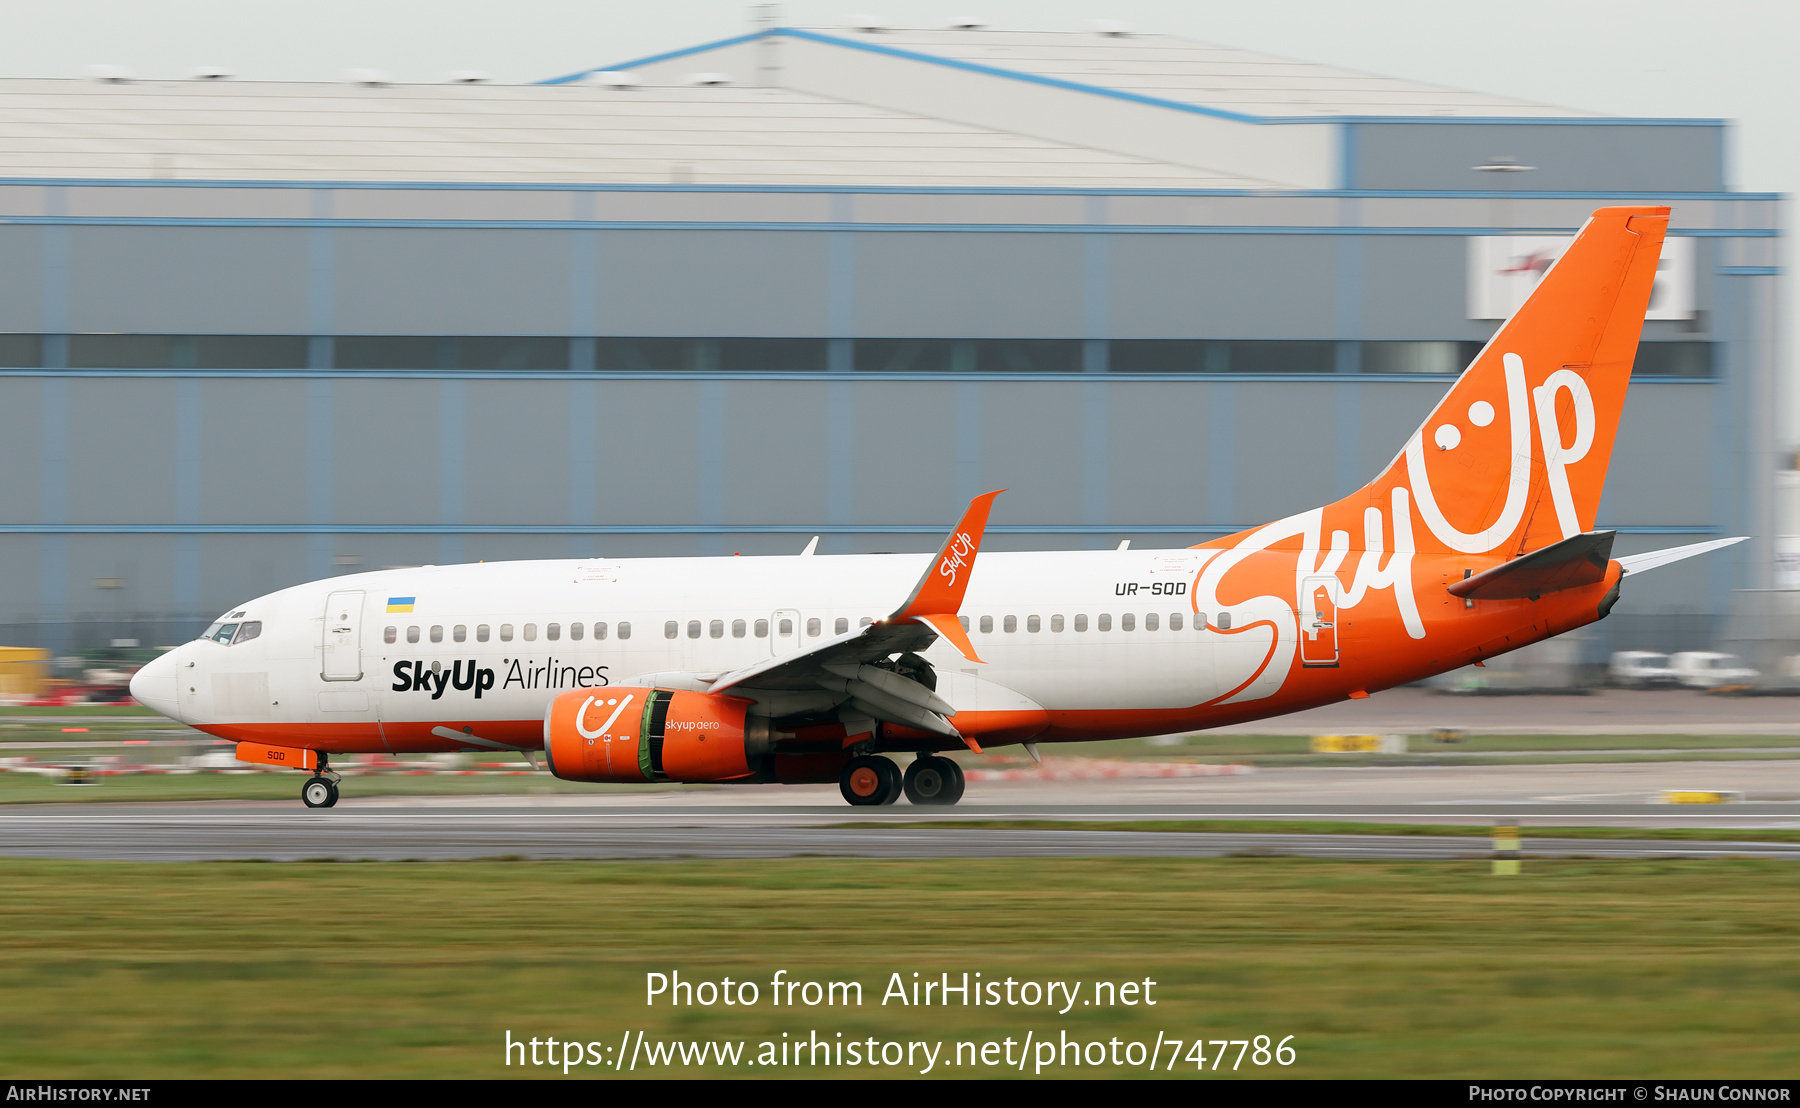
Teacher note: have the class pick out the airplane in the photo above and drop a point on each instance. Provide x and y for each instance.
(1477, 539)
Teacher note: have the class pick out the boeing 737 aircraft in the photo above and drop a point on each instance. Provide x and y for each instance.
(1477, 539)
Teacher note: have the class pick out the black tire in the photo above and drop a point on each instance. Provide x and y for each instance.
(929, 782)
(863, 782)
(332, 803)
(318, 792)
(955, 773)
(891, 782)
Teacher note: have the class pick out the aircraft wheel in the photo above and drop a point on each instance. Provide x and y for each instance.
(892, 786)
(869, 781)
(318, 792)
(933, 780)
(955, 792)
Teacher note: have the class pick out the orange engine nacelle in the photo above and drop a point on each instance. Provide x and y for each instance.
(638, 734)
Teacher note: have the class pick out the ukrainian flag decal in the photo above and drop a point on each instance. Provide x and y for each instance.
(400, 604)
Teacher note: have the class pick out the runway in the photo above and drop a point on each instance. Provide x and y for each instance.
(1417, 711)
(775, 821)
(206, 833)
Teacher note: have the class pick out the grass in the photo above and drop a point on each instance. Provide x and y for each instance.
(1578, 968)
(1345, 827)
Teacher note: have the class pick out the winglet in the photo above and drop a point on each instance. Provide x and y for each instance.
(938, 596)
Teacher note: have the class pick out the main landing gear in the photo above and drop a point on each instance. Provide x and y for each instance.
(320, 790)
(933, 780)
(870, 781)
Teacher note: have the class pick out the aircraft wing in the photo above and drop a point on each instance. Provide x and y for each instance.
(840, 670)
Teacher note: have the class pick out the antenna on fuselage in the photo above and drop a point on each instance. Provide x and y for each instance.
(810, 547)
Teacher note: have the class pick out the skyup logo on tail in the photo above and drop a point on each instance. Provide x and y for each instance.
(1512, 461)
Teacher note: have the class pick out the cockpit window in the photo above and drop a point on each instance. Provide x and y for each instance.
(247, 631)
(224, 633)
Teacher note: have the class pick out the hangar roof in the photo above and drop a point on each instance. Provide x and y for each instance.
(1182, 71)
(234, 130)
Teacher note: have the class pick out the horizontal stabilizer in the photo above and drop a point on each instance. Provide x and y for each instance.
(1576, 561)
(1638, 563)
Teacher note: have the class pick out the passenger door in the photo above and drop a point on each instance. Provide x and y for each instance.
(342, 653)
(1318, 621)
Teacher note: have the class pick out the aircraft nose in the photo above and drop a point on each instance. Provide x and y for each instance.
(154, 685)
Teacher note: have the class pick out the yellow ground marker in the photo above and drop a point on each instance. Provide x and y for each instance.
(1506, 851)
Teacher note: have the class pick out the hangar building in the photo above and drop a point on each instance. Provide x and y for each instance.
(808, 282)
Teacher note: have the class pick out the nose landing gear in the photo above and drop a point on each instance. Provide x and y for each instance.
(321, 789)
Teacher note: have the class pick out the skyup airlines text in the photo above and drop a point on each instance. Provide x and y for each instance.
(524, 673)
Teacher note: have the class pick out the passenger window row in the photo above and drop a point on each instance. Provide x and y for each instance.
(715, 629)
(552, 632)
(1153, 621)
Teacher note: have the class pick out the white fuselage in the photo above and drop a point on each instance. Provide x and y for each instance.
(1062, 631)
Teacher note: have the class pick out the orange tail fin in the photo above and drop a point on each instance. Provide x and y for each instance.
(1515, 457)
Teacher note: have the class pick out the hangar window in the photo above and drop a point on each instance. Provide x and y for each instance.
(987, 625)
(23, 351)
(1149, 621)
(448, 352)
(247, 631)
(481, 632)
(1174, 621)
(624, 629)
(1417, 357)
(841, 626)
(553, 631)
(531, 632)
(968, 355)
(1127, 622)
(813, 627)
(1224, 621)
(671, 629)
(188, 351)
(412, 634)
(693, 628)
(1673, 359)
(506, 632)
(1010, 624)
(599, 631)
(737, 628)
(576, 630)
(1081, 622)
(437, 632)
(1218, 356)
(1033, 624)
(732, 355)
(716, 629)
(1056, 624)
(460, 633)
(762, 628)
(390, 634)
(1103, 623)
